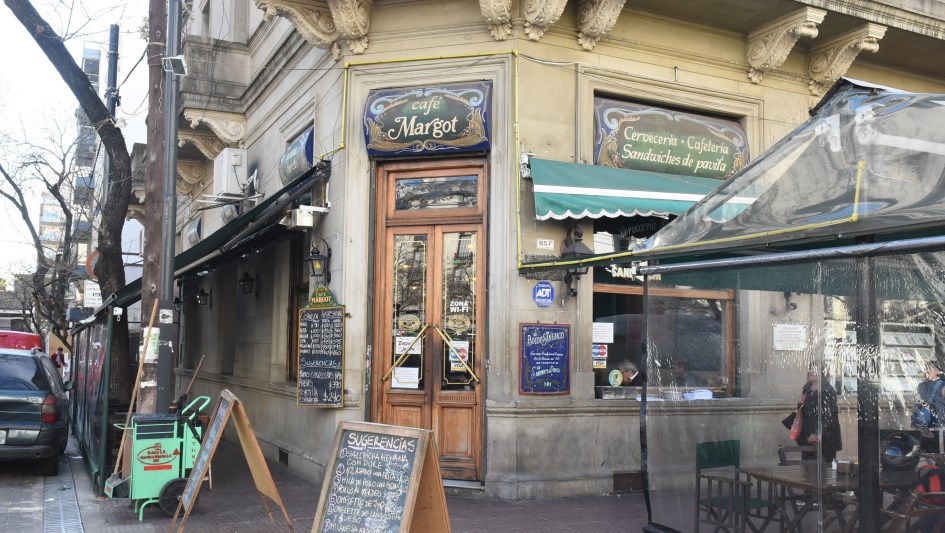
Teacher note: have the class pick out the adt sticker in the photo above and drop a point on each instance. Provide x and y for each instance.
(543, 293)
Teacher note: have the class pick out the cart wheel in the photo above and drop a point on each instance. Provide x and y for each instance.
(170, 495)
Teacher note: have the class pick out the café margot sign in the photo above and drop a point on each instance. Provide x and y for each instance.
(654, 139)
(411, 121)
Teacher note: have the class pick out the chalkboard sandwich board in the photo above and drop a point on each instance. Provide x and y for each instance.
(321, 356)
(228, 407)
(545, 359)
(382, 479)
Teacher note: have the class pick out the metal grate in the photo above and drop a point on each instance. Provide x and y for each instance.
(60, 506)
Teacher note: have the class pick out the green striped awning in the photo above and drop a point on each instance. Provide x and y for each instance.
(572, 190)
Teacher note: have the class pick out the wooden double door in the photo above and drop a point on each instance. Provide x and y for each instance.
(428, 315)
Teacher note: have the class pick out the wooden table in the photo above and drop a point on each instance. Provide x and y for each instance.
(819, 482)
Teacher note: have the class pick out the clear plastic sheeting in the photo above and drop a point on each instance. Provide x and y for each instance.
(842, 343)
(870, 160)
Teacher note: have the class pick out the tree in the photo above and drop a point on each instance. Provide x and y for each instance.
(48, 165)
(110, 266)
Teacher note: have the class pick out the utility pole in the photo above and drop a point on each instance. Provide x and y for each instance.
(169, 330)
(111, 91)
(154, 197)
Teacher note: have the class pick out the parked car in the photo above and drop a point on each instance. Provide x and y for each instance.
(34, 409)
(20, 340)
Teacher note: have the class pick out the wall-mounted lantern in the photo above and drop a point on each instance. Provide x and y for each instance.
(247, 283)
(204, 297)
(318, 264)
(574, 249)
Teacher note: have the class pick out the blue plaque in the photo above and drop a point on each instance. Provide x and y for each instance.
(545, 364)
(543, 293)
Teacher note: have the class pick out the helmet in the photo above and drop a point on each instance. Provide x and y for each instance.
(901, 451)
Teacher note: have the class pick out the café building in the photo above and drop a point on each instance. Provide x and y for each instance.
(443, 168)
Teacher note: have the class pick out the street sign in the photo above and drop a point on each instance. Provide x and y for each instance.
(543, 293)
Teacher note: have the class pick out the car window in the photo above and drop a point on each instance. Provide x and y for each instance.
(18, 372)
(53, 375)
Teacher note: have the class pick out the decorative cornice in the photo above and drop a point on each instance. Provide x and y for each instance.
(352, 18)
(595, 19)
(208, 144)
(192, 171)
(312, 18)
(229, 127)
(540, 15)
(769, 46)
(498, 17)
(829, 61)
(135, 212)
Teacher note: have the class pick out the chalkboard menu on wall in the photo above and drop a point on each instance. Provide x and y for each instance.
(545, 364)
(321, 356)
(373, 480)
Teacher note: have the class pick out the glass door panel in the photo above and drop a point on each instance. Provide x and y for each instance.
(409, 309)
(458, 314)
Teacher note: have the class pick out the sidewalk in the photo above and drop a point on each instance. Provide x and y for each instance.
(234, 506)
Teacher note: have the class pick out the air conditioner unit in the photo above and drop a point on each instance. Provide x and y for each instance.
(229, 171)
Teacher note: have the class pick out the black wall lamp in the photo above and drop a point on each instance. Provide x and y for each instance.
(204, 297)
(247, 283)
(177, 304)
(318, 264)
(574, 249)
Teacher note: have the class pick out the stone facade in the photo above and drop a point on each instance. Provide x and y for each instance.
(262, 72)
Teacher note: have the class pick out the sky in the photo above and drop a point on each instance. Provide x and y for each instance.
(32, 94)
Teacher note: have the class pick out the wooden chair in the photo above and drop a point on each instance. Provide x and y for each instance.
(919, 512)
(724, 500)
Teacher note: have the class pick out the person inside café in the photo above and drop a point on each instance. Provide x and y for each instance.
(820, 420)
(632, 377)
(932, 390)
(682, 377)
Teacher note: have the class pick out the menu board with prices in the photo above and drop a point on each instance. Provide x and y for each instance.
(321, 356)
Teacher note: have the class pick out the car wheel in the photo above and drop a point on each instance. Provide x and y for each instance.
(50, 466)
(65, 442)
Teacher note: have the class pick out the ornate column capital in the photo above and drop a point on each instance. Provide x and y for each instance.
(498, 17)
(540, 15)
(769, 45)
(209, 145)
(829, 61)
(352, 19)
(312, 18)
(229, 127)
(595, 19)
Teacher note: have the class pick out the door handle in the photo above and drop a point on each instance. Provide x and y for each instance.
(403, 357)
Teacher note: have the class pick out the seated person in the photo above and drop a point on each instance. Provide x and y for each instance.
(932, 392)
(632, 377)
(682, 376)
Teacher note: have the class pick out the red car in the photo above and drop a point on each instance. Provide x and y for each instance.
(19, 340)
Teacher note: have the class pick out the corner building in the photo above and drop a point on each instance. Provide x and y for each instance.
(435, 150)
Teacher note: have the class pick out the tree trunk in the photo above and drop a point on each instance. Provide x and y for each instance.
(110, 268)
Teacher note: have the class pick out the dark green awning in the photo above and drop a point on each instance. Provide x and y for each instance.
(225, 239)
(572, 190)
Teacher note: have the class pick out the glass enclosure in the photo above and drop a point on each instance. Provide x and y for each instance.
(842, 344)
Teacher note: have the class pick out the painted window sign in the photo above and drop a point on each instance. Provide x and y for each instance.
(545, 366)
(654, 139)
(449, 118)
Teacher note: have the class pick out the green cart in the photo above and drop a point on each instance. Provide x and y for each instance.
(163, 450)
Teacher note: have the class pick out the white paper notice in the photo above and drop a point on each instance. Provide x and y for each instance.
(405, 378)
(789, 337)
(403, 343)
(603, 333)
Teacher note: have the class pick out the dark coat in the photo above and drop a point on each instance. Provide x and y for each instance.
(825, 399)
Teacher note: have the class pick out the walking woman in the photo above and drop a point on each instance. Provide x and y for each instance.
(820, 420)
